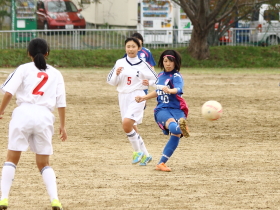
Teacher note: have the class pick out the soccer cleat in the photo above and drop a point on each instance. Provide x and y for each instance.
(184, 127)
(162, 167)
(145, 160)
(4, 204)
(137, 156)
(56, 205)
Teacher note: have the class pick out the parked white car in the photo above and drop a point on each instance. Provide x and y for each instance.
(265, 25)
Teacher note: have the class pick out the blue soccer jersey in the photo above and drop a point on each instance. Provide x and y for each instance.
(146, 55)
(171, 79)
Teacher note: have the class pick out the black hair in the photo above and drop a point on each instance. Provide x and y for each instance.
(134, 40)
(38, 49)
(173, 56)
(138, 36)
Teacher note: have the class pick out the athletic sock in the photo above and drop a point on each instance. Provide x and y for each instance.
(142, 146)
(8, 175)
(174, 128)
(169, 148)
(133, 138)
(50, 181)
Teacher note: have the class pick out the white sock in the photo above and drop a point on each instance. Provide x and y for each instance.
(8, 175)
(133, 138)
(142, 146)
(50, 182)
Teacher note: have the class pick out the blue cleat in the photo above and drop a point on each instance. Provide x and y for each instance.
(137, 156)
(145, 160)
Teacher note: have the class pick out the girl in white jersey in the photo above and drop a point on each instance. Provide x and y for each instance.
(39, 88)
(132, 76)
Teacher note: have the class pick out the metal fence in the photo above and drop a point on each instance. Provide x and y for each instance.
(114, 38)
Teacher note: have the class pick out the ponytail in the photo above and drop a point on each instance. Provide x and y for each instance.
(38, 49)
(40, 62)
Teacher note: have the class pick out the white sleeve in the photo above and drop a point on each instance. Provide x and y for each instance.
(112, 77)
(150, 75)
(13, 82)
(60, 92)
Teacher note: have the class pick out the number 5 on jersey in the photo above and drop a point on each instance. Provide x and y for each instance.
(128, 81)
(41, 84)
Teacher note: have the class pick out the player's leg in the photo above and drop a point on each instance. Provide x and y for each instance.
(133, 139)
(18, 142)
(137, 112)
(146, 157)
(132, 114)
(178, 126)
(41, 145)
(49, 179)
(169, 117)
(8, 175)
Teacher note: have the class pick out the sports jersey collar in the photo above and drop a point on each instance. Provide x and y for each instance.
(129, 60)
(171, 72)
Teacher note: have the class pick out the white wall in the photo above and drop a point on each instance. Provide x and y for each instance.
(113, 12)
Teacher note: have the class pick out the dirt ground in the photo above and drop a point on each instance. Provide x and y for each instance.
(232, 163)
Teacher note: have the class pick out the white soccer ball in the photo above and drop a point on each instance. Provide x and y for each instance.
(211, 110)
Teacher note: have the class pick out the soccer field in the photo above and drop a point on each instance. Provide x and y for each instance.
(231, 163)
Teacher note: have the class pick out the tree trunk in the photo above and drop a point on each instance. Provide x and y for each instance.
(213, 38)
(198, 47)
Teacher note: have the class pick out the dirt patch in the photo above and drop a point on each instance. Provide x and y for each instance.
(232, 163)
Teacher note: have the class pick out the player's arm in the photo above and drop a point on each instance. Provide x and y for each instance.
(62, 130)
(6, 99)
(151, 77)
(178, 86)
(113, 77)
(170, 91)
(139, 99)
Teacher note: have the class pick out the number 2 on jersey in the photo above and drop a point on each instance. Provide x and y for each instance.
(40, 85)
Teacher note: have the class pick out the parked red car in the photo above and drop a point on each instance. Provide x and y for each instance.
(226, 38)
(59, 14)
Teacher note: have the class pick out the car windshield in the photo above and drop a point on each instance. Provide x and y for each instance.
(271, 15)
(61, 6)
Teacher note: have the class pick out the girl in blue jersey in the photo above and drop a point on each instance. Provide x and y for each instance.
(172, 110)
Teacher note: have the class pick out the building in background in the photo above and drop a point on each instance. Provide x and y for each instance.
(156, 21)
(110, 13)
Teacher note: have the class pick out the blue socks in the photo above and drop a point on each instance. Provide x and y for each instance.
(169, 148)
(174, 128)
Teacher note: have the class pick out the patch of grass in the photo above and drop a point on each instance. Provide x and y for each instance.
(220, 57)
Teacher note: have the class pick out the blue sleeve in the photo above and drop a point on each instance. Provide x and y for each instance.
(150, 59)
(178, 83)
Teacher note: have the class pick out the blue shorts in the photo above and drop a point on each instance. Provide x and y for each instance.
(162, 115)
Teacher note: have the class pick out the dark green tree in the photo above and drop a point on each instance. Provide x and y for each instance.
(204, 14)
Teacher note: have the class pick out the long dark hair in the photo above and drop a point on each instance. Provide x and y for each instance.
(171, 55)
(39, 49)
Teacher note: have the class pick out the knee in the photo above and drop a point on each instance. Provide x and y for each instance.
(127, 126)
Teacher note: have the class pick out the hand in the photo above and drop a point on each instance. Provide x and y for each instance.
(145, 82)
(166, 89)
(62, 132)
(119, 70)
(139, 99)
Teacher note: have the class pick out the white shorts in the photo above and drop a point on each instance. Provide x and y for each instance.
(130, 108)
(31, 126)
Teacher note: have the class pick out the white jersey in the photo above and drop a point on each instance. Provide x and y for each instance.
(133, 73)
(30, 85)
